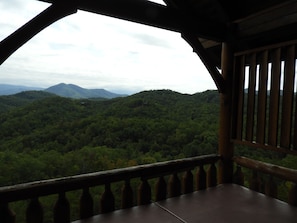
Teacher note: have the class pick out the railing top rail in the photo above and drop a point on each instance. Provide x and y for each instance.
(64, 184)
(274, 170)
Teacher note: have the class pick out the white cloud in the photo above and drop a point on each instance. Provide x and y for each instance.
(96, 51)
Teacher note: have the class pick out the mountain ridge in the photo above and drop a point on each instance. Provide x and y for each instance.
(9, 89)
(75, 91)
(62, 89)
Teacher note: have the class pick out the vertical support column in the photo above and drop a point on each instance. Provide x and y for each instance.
(225, 145)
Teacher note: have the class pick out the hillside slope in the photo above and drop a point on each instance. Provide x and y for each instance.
(9, 102)
(159, 121)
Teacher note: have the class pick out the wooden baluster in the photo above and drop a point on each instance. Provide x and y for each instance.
(62, 209)
(271, 188)
(127, 195)
(255, 182)
(174, 186)
(188, 182)
(107, 200)
(212, 176)
(144, 193)
(161, 189)
(6, 214)
(34, 213)
(86, 204)
(238, 177)
(293, 195)
(201, 178)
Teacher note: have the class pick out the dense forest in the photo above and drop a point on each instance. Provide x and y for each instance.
(45, 136)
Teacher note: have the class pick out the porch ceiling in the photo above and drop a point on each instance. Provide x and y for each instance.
(246, 23)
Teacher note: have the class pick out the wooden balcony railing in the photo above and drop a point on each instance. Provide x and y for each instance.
(263, 178)
(61, 213)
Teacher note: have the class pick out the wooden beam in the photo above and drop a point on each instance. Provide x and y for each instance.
(206, 59)
(274, 170)
(152, 14)
(226, 149)
(53, 13)
(267, 147)
(268, 19)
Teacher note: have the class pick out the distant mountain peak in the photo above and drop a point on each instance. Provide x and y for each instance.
(75, 91)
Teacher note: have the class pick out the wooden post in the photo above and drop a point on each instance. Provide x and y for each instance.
(34, 213)
(212, 176)
(86, 204)
(201, 178)
(238, 176)
(6, 214)
(62, 209)
(107, 200)
(161, 189)
(225, 145)
(174, 186)
(144, 193)
(127, 195)
(187, 184)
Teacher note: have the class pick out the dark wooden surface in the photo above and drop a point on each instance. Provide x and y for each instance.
(224, 203)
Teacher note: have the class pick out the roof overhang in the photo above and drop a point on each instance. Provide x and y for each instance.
(204, 24)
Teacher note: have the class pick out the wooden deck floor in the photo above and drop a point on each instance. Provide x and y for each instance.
(224, 203)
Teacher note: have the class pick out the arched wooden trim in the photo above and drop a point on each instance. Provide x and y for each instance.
(209, 63)
(50, 15)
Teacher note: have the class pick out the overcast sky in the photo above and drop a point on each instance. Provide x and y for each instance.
(95, 51)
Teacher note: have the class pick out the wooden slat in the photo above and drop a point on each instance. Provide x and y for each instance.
(254, 145)
(295, 120)
(262, 97)
(251, 98)
(239, 97)
(286, 121)
(295, 125)
(240, 70)
(274, 97)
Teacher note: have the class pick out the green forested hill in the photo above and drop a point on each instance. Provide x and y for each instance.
(9, 102)
(55, 136)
